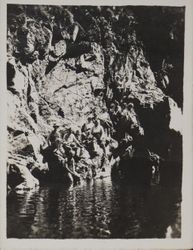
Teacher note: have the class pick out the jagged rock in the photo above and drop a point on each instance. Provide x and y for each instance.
(61, 71)
(72, 92)
(16, 78)
(19, 177)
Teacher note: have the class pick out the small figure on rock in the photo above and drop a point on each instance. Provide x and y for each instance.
(69, 138)
(87, 127)
(98, 133)
(54, 136)
(97, 130)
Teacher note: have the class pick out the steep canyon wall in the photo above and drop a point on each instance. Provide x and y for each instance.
(66, 63)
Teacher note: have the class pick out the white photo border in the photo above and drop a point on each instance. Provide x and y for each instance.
(186, 240)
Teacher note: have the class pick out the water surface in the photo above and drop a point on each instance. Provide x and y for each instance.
(98, 209)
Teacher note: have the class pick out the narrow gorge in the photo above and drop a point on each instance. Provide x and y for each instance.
(67, 63)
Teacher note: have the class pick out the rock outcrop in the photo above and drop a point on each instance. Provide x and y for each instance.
(65, 63)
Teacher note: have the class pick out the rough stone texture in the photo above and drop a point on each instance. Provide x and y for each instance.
(61, 97)
(66, 93)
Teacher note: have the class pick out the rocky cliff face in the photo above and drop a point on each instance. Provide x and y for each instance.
(67, 63)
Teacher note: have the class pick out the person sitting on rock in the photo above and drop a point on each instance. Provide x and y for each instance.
(87, 127)
(58, 150)
(98, 133)
(70, 138)
(54, 136)
(97, 130)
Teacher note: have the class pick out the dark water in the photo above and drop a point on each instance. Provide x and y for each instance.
(94, 210)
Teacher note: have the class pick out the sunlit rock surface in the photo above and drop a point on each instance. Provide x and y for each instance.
(57, 70)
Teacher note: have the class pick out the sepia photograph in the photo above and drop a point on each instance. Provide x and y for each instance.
(95, 109)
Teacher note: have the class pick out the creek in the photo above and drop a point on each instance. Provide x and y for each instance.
(98, 209)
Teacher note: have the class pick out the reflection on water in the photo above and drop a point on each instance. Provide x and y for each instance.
(94, 210)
